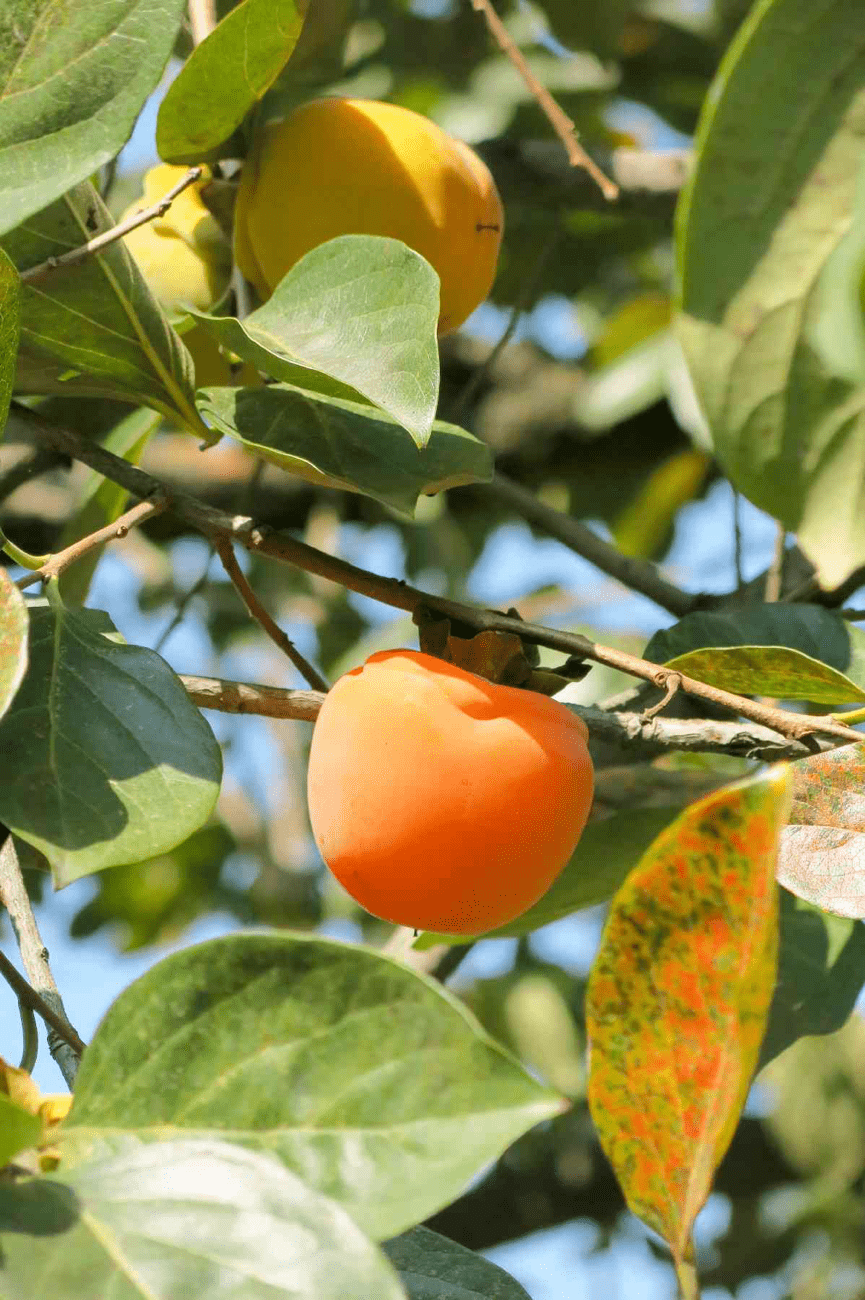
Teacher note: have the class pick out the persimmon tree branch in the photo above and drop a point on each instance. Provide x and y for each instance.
(649, 735)
(43, 997)
(400, 595)
(95, 245)
(638, 575)
(110, 533)
(558, 119)
(225, 550)
(202, 19)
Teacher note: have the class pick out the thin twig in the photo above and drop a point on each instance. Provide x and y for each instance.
(400, 595)
(775, 573)
(651, 736)
(525, 296)
(111, 236)
(110, 533)
(225, 550)
(248, 697)
(202, 19)
(41, 992)
(564, 128)
(639, 575)
(184, 602)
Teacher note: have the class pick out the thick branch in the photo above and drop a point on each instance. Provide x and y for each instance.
(394, 592)
(649, 736)
(636, 574)
(63, 1042)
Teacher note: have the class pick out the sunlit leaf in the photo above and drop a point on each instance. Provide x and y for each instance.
(103, 759)
(73, 79)
(13, 640)
(785, 651)
(822, 856)
(94, 329)
(343, 444)
(18, 1129)
(225, 76)
(779, 151)
(10, 314)
(361, 310)
(369, 1081)
(678, 997)
(200, 1218)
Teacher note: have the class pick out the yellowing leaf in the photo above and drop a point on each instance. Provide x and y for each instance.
(822, 856)
(678, 999)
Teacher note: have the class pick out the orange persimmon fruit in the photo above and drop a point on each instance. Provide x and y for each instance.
(441, 800)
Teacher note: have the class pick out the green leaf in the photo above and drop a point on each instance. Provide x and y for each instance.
(100, 502)
(94, 329)
(36, 1206)
(837, 329)
(13, 640)
(10, 314)
(607, 851)
(224, 77)
(822, 857)
(361, 309)
(779, 151)
(821, 971)
(103, 759)
(18, 1129)
(372, 1083)
(810, 653)
(678, 999)
(194, 1218)
(343, 444)
(431, 1267)
(73, 79)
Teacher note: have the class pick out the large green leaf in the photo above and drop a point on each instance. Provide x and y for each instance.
(607, 851)
(779, 151)
(372, 1083)
(362, 310)
(13, 640)
(103, 759)
(224, 77)
(73, 79)
(194, 1218)
(432, 1267)
(344, 444)
(821, 971)
(94, 329)
(788, 651)
(10, 316)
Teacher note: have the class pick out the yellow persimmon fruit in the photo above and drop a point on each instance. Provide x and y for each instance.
(184, 255)
(359, 167)
(443, 801)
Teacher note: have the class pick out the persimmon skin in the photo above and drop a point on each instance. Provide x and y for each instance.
(440, 800)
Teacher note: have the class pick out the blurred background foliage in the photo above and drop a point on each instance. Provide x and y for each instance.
(586, 406)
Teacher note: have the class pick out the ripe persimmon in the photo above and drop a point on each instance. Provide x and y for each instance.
(441, 800)
(339, 166)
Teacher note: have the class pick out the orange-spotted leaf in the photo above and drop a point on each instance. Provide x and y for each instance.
(678, 999)
(822, 857)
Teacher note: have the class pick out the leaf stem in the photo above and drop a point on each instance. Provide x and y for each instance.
(686, 1276)
(400, 595)
(40, 993)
